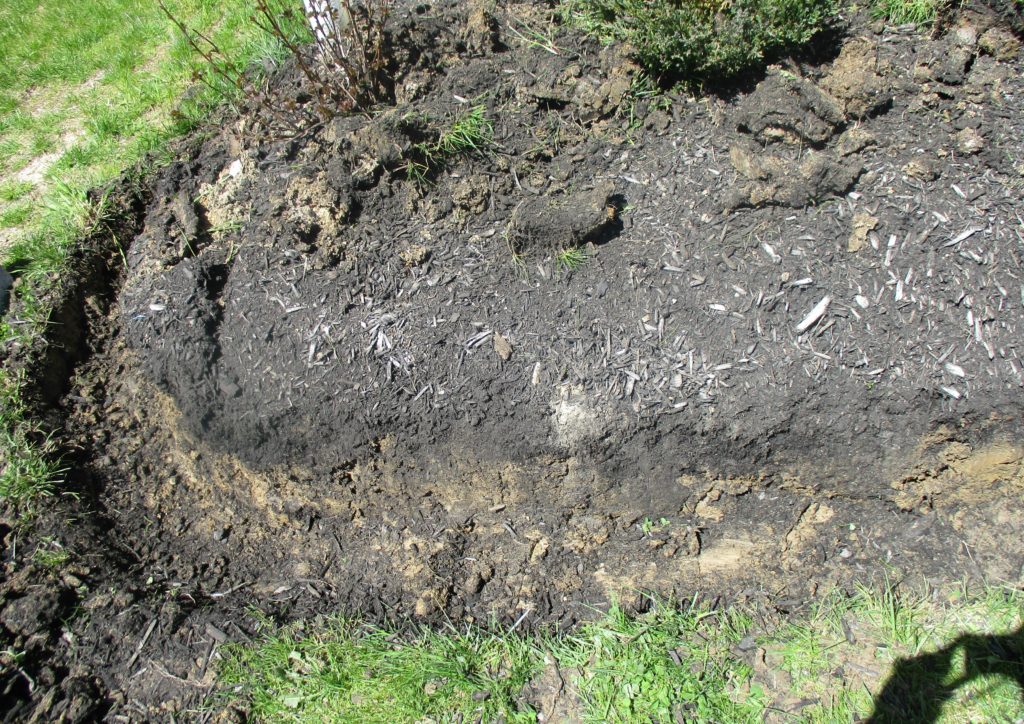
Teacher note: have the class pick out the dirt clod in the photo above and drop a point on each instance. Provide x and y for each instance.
(858, 81)
(775, 180)
(554, 223)
(1000, 44)
(788, 108)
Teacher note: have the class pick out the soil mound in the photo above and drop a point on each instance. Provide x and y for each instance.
(778, 308)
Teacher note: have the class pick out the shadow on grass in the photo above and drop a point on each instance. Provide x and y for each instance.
(921, 685)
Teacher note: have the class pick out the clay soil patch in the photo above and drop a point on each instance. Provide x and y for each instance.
(790, 361)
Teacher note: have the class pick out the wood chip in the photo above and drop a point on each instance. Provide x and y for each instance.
(215, 633)
(814, 315)
(955, 370)
(963, 236)
(952, 392)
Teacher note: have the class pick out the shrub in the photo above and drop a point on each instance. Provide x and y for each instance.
(339, 47)
(700, 40)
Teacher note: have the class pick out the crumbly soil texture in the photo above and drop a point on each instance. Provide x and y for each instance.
(340, 372)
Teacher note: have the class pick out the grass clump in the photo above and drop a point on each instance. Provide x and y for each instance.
(14, 190)
(571, 259)
(15, 215)
(50, 554)
(702, 41)
(29, 472)
(904, 12)
(471, 132)
(667, 665)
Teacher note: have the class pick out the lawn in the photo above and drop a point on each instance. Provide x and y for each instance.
(87, 89)
(881, 653)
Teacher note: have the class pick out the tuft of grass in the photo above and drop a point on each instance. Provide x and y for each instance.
(15, 215)
(703, 41)
(50, 554)
(471, 132)
(571, 259)
(643, 91)
(903, 12)
(534, 38)
(15, 190)
(29, 470)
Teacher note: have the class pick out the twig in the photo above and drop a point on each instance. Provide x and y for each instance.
(138, 649)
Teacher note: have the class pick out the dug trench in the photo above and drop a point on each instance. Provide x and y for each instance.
(318, 381)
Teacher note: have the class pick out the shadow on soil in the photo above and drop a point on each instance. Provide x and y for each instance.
(921, 685)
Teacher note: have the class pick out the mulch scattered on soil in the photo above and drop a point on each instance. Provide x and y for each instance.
(790, 361)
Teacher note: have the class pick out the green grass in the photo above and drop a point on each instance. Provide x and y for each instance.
(50, 554)
(14, 190)
(15, 215)
(98, 83)
(30, 471)
(571, 259)
(661, 666)
(903, 12)
(469, 132)
(344, 672)
(87, 88)
(951, 658)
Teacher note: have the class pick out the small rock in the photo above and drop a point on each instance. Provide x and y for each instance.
(502, 347)
(539, 551)
(944, 61)
(922, 169)
(966, 36)
(414, 255)
(1000, 44)
(854, 141)
(862, 225)
(969, 141)
(72, 581)
(32, 613)
(474, 584)
(658, 121)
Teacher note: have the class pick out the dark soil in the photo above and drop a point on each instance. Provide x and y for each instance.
(791, 361)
